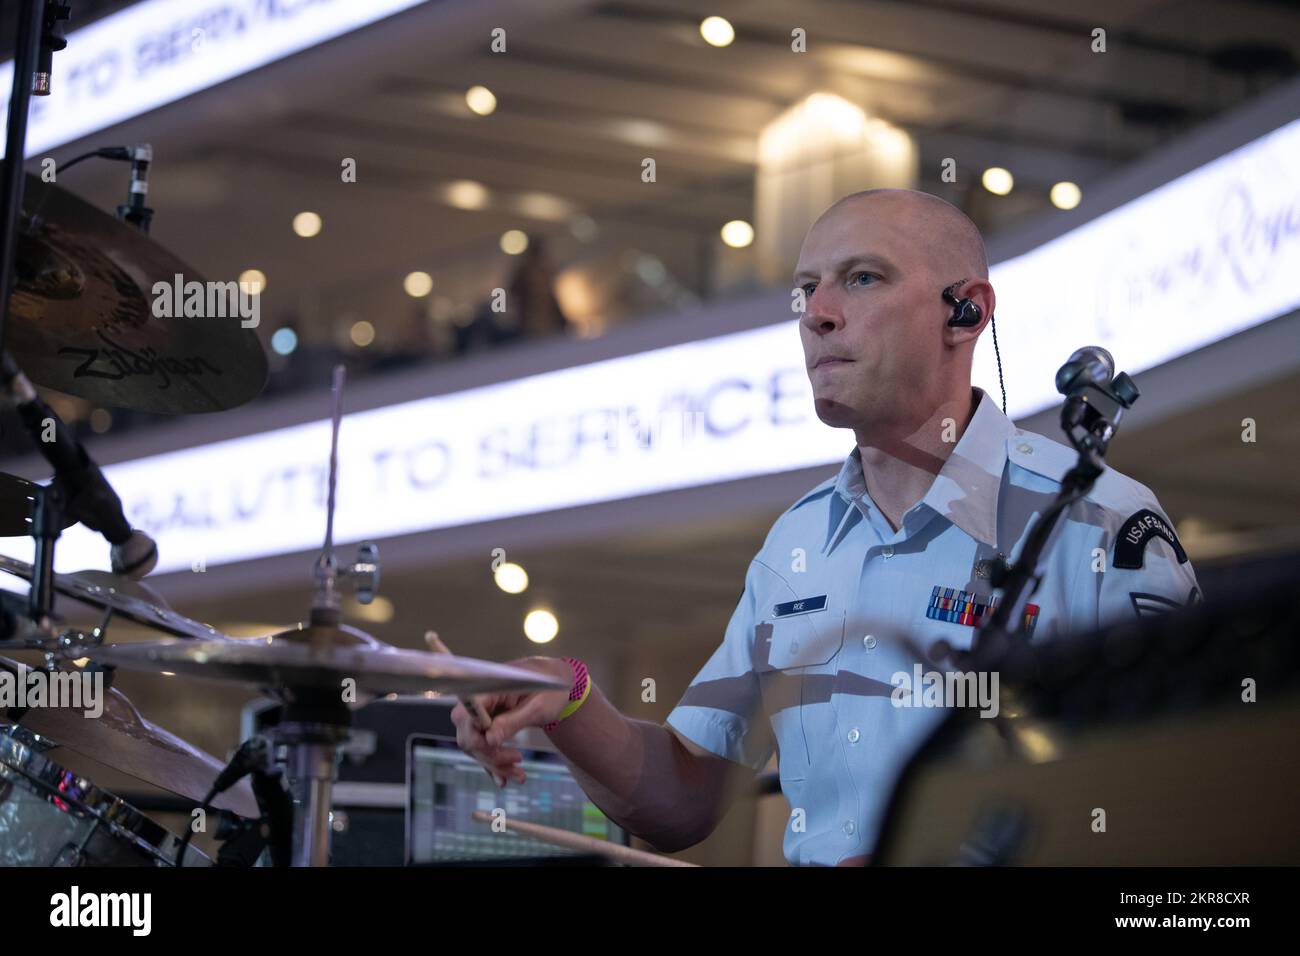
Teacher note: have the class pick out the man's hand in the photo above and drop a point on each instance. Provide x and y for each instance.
(511, 712)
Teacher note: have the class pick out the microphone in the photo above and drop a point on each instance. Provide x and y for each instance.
(90, 498)
(1090, 365)
(134, 210)
(135, 557)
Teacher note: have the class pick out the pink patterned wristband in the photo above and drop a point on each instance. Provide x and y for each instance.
(581, 687)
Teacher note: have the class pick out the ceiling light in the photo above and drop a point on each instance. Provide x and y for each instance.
(513, 242)
(1066, 195)
(252, 281)
(418, 284)
(737, 233)
(307, 224)
(362, 333)
(540, 626)
(511, 578)
(997, 180)
(481, 100)
(717, 31)
(466, 194)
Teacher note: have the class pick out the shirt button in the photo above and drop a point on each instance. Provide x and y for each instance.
(887, 551)
(850, 827)
(854, 735)
(869, 641)
(1025, 448)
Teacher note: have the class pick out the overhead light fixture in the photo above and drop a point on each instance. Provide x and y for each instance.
(998, 181)
(541, 626)
(737, 234)
(252, 281)
(418, 284)
(362, 333)
(511, 578)
(1065, 195)
(539, 205)
(480, 100)
(467, 194)
(513, 242)
(307, 224)
(717, 31)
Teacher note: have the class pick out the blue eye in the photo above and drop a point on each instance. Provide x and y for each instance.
(808, 289)
(857, 275)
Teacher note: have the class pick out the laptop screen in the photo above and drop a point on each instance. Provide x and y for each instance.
(445, 786)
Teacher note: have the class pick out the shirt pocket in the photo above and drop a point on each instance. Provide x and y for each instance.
(793, 658)
(793, 641)
(805, 640)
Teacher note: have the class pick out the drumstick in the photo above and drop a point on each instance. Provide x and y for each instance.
(586, 844)
(482, 720)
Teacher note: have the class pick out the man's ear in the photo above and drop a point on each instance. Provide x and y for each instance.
(980, 291)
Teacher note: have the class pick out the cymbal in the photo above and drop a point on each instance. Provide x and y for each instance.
(16, 503)
(322, 657)
(81, 319)
(122, 738)
(129, 599)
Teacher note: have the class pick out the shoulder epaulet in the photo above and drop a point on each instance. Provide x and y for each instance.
(1113, 491)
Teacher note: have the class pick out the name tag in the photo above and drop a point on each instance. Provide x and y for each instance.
(802, 606)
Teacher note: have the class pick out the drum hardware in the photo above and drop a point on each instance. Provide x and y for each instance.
(59, 818)
(81, 296)
(309, 668)
(122, 597)
(122, 738)
(17, 504)
(271, 829)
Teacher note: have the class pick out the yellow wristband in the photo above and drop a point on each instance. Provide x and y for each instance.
(571, 707)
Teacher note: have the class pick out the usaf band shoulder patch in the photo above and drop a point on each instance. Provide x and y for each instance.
(1137, 532)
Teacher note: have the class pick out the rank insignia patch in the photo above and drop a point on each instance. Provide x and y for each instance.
(1137, 532)
(1145, 605)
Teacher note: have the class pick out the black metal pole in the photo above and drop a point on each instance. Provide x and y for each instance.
(30, 19)
(47, 523)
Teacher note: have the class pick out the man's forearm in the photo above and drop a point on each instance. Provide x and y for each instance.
(636, 772)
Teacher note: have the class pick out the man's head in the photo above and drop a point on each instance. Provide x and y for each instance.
(873, 269)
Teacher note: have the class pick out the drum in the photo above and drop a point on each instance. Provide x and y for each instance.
(50, 816)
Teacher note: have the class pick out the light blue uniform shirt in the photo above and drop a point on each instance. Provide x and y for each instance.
(807, 665)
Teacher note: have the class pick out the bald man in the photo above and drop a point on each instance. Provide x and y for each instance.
(894, 548)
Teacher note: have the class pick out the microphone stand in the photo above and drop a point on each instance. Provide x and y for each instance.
(37, 41)
(1094, 405)
(1093, 408)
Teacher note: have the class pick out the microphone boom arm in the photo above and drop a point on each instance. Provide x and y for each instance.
(1090, 416)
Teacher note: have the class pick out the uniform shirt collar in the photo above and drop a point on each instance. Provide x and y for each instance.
(966, 489)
